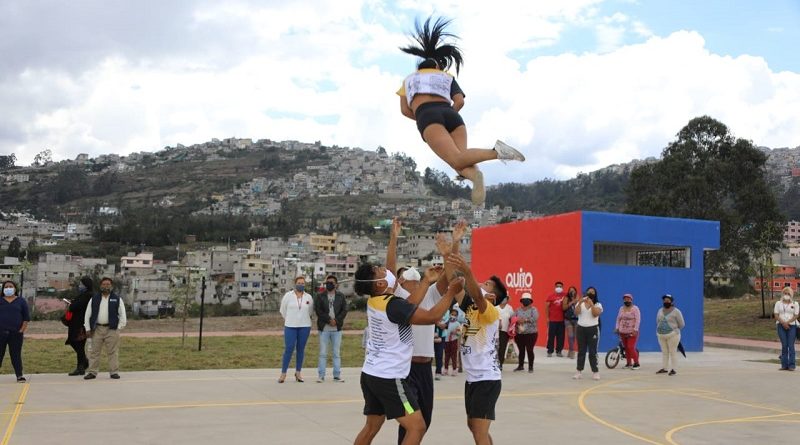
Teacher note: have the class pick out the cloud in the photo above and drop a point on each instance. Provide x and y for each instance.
(123, 78)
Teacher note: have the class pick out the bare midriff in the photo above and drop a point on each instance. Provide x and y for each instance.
(420, 99)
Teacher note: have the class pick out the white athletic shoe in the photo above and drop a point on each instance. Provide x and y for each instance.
(577, 376)
(596, 376)
(478, 190)
(506, 152)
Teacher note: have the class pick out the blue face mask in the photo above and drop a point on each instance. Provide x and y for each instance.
(9, 291)
(300, 287)
(81, 288)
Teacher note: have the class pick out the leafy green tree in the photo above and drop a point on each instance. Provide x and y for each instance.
(43, 158)
(14, 248)
(7, 162)
(70, 183)
(706, 173)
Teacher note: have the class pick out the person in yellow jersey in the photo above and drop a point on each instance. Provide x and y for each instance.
(432, 97)
(389, 349)
(479, 350)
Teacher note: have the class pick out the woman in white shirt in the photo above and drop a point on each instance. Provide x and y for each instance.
(588, 311)
(786, 312)
(296, 309)
(506, 311)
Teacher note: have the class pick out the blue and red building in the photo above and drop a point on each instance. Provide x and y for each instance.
(616, 253)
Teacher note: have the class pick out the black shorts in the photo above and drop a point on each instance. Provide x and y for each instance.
(390, 397)
(437, 113)
(480, 398)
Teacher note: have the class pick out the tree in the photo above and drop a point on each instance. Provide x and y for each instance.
(706, 173)
(7, 162)
(70, 183)
(14, 248)
(43, 158)
(31, 254)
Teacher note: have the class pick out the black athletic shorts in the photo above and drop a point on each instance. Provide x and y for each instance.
(480, 398)
(390, 397)
(437, 113)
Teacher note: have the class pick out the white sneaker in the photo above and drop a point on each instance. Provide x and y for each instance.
(577, 376)
(506, 152)
(596, 376)
(478, 190)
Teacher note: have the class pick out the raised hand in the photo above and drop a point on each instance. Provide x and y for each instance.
(442, 245)
(396, 226)
(455, 286)
(459, 230)
(458, 262)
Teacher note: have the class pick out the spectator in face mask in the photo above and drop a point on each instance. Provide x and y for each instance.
(570, 319)
(330, 308)
(555, 320)
(669, 323)
(527, 331)
(14, 318)
(296, 308)
(588, 310)
(786, 312)
(76, 333)
(628, 320)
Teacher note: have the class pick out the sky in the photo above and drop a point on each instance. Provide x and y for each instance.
(576, 85)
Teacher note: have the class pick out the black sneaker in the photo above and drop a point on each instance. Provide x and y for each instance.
(662, 371)
(89, 377)
(21, 379)
(77, 371)
(530, 371)
(672, 372)
(114, 376)
(519, 369)
(635, 366)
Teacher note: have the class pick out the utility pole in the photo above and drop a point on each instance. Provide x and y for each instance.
(202, 312)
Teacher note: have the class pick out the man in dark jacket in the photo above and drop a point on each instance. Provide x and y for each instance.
(105, 317)
(331, 308)
(76, 334)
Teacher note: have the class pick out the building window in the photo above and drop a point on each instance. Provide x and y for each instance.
(651, 255)
(243, 284)
(245, 275)
(256, 284)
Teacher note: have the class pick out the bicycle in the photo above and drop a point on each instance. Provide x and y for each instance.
(615, 355)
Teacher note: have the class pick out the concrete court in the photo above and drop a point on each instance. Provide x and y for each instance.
(717, 397)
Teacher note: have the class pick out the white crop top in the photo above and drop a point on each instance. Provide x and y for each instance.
(429, 81)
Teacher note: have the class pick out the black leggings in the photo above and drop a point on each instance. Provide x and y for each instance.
(503, 347)
(12, 339)
(587, 339)
(80, 352)
(525, 343)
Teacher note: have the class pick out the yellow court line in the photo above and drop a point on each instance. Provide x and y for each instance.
(582, 406)
(13, 422)
(170, 380)
(771, 418)
(736, 402)
(193, 405)
(295, 402)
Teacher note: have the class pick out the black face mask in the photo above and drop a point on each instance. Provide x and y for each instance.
(526, 303)
(628, 303)
(667, 305)
(330, 286)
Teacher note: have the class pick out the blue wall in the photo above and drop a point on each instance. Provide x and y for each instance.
(646, 283)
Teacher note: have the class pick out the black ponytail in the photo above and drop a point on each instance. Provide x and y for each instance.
(428, 38)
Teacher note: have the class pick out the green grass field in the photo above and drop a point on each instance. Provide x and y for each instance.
(164, 354)
(728, 318)
(739, 318)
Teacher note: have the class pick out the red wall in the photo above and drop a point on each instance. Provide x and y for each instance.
(542, 250)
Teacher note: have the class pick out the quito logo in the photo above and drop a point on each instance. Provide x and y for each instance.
(519, 279)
